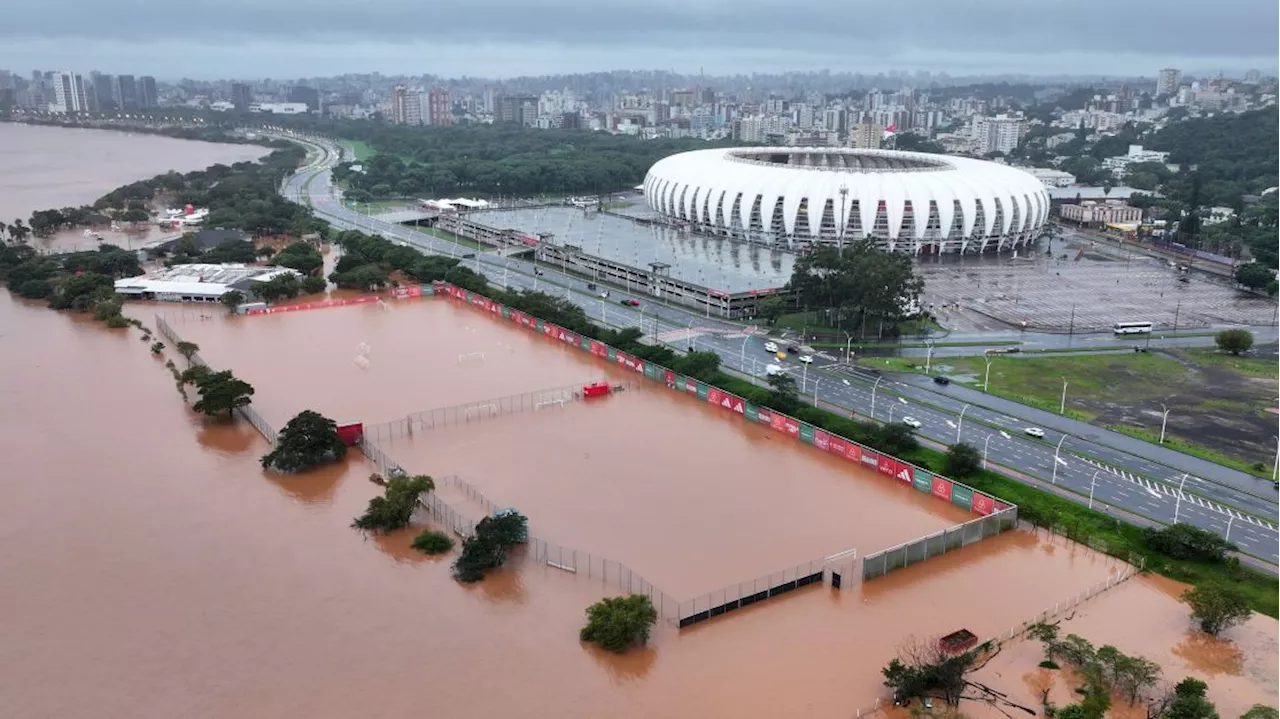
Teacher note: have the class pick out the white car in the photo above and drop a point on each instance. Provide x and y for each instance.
(911, 422)
(1034, 432)
(772, 369)
(770, 346)
(805, 358)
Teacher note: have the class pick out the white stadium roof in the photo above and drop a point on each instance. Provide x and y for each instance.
(702, 187)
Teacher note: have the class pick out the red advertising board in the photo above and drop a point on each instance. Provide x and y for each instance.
(764, 416)
(902, 472)
(870, 459)
(599, 349)
(778, 422)
(887, 466)
(669, 377)
(630, 362)
(821, 440)
(942, 488)
(982, 504)
(791, 426)
(691, 385)
(724, 400)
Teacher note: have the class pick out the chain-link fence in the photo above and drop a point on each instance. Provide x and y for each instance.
(538, 400)
(194, 359)
(1126, 572)
(608, 572)
(742, 594)
(904, 555)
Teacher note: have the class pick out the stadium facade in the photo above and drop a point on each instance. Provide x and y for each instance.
(795, 197)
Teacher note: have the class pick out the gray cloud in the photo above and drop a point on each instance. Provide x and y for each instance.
(1055, 35)
(1240, 27)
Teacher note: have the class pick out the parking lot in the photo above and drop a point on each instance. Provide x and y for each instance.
(1086, 294)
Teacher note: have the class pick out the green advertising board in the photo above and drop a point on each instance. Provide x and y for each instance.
(751, 412)
(961, 496)
(703, 390)
(680, 381)
(428, 290)
(922, 480)
(613, 355)
(539, 325)
(652, 371)
(506, 312)
(467, 295)
(585, 344)
(806, 433)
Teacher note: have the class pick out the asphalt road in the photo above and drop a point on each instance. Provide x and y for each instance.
(1074, 461)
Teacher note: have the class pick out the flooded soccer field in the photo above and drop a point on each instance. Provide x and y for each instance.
(691, 497)
(363, 363)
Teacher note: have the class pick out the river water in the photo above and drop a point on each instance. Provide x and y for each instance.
(152, 569)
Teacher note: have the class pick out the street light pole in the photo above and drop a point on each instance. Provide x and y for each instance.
(742, 359)
(1093, 482)
(986, 378)
(960, 424)
(1164, 421)
(1177, 505)
(1056, 459)
(848, 347)
(1227, 536)
(815, 391)
(985, 442)
(928, 357)
(1062, 408)
(873, 396)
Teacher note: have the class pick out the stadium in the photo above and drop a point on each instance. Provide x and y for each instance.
(793, 198)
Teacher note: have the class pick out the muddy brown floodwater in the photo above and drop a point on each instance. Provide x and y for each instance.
(152, 569)
(1144, 617)
(48, 167)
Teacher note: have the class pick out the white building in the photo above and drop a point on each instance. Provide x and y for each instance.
(199, 282)
(1001, 133)
(68, 94)
(280, 108)
(1051, 177)
(1169, 81)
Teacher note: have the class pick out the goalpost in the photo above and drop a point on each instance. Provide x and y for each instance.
(470, 357)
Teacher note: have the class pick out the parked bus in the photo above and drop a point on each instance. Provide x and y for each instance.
(1132, 328)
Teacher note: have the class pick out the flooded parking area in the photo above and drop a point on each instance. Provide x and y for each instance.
(687, 495)
(364, 363)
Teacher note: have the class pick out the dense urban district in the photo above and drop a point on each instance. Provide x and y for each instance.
(1066, 290)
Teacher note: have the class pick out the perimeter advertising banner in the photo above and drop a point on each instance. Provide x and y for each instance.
(982, 504)
(942, 488)
(922, 480)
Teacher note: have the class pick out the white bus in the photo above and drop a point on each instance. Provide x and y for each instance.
(1132, 328)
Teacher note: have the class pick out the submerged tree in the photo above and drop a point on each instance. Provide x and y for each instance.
(925, 669)
(221, 392)
(1217, 608)
(308, 440)
(617, 623)
(487, 548)
(394, 508)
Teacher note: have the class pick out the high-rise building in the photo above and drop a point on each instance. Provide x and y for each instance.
(68, 94)
(518, 109)
(1169, 81)
(406, 106)
(126, 93)
(866, 135)
(1001, 133)
(148, 95)
(308, 95)
(104, 96)
(241, 96)
(439, 107)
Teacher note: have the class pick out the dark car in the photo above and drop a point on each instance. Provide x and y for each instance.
(942, 380)
(792, 349)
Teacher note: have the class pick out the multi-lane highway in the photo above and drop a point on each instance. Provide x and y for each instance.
(1233, 504)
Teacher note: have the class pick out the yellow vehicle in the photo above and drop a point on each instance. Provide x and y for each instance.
(780, 355)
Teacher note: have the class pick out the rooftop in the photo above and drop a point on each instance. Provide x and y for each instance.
(197, 279)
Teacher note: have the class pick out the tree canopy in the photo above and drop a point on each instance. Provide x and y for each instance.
(308, 440)
(859, 283)
(394, 508)
(1217, 608)
(487, 548)
(617, 623)
(221, 392)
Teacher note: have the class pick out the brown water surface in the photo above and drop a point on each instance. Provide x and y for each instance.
(152, 569)
(1144, 617)
(52, 167)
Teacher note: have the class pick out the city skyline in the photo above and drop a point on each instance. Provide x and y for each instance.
(497, 39)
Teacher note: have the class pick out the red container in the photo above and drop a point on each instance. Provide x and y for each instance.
(599, 389)
(351, 434)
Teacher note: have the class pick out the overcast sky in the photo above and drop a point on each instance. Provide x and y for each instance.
(505, 38)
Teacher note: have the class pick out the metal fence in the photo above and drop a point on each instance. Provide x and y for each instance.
(904, 555)
(1128, 571)
(607, 571)
(247, 412)
(538, 400)
(742, 594)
